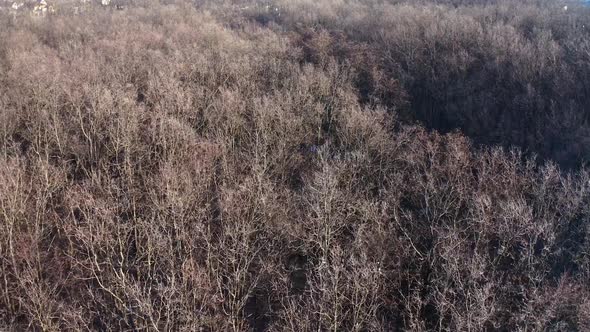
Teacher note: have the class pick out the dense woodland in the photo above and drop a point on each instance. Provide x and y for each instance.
(295, 165)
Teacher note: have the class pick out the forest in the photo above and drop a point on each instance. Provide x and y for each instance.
(295, 165)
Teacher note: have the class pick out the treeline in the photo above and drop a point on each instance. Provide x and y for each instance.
(234, 166)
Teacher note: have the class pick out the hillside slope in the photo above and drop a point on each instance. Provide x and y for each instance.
(294, 166)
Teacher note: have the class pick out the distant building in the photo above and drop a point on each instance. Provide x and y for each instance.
(42, 8)
(571, 4)
(17, 5)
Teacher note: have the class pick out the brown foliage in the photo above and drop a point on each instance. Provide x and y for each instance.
(205, 167)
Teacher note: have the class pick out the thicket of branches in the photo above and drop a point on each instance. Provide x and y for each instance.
(503, 72)
(232, 166)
